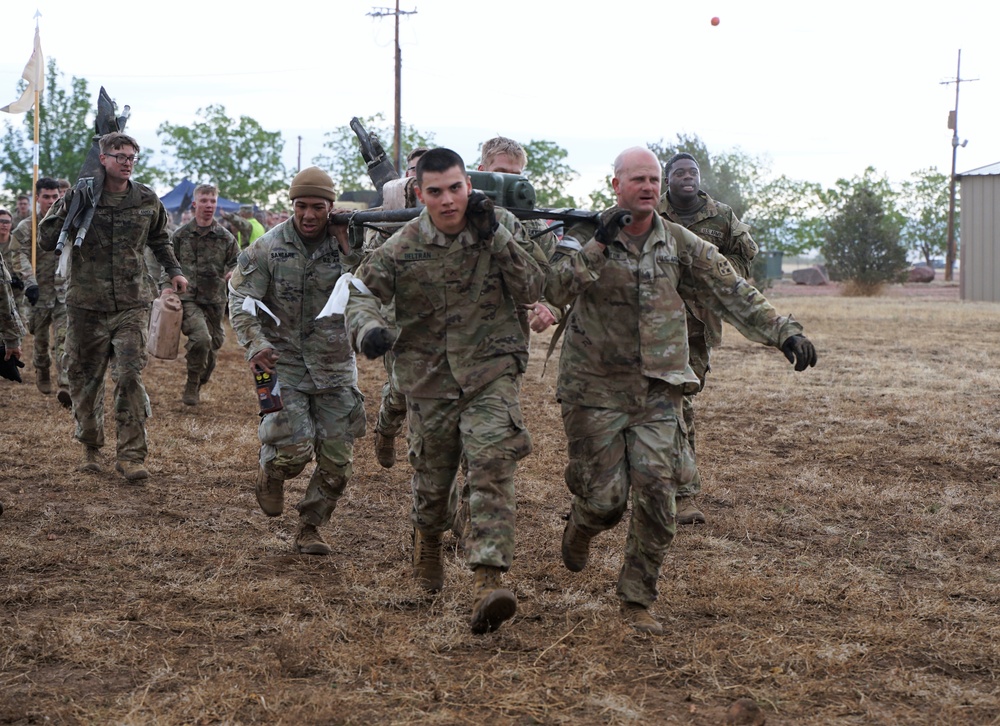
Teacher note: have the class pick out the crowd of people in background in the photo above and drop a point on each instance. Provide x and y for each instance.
(448, 300)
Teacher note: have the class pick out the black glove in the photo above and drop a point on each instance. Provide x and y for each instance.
(482, 215)
(32, 294)
(800, 351)
(612, 221)
(376, 343)
(9, 367)
(16, 282)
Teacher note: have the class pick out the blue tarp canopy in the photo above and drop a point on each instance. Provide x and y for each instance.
(174, 200)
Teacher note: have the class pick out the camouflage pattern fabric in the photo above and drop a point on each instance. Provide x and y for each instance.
(48, 315)
(615, 456)
(628, 324)
(715, 222)
(93, 338)
(622, 372)
(488, 427)
(205, 256)
(323, 409)
(11, 328)
(10, 254)
(108, 271)
(459, 353)
(41, 322)
(314, 423)
(203, 326)
(295, 285)
(452, 341)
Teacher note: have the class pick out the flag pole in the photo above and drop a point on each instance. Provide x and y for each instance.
(34, 176)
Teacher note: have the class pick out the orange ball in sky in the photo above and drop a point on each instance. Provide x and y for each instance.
(715, 21)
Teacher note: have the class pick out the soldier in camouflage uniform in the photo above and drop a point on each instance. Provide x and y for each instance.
(10, 251)
(457, 273)
(11, 328)
(22, 211)
(108, 305)
(207, 255)
(624, 369)
(392, 409)
(715, 222)
(46, 293)
(289, 274)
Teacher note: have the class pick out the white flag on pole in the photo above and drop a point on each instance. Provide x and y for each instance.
(34, 74)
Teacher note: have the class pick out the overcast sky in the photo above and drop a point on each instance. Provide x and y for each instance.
(820, 90)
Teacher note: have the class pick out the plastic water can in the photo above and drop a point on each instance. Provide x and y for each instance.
(165, 327)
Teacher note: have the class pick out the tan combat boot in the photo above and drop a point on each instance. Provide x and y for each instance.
(688, 512)
(575, 546)
(428, 569)
(385, 450)
(133, 471)
(42, 381)
(91, 460)
(270, 491)
(308, 540)
(638, 617)
(493, 604)
(190, 395)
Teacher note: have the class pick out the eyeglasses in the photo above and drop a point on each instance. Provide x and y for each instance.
(122, 158)
(6, 221)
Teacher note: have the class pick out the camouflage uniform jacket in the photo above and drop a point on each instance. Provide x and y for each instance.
(11, 328)
(205, 258)
(10, 253)
(451, 341)
(51, 287)
(108, 271)
(278, 271)
(628, 326)
(716, 223)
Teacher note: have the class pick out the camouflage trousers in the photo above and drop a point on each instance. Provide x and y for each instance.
(699, 358)
(486, 425)
(392, 410)
(202, 324)
(41, 321)
(314, 423)
(614, 454)
(94, 339)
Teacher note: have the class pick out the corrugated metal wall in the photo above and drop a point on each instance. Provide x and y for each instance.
(980, 238)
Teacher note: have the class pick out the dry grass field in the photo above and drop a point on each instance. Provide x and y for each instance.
(849, 572)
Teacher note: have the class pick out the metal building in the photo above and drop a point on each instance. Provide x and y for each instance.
(980, 224)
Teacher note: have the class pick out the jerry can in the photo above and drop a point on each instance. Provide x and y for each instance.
(165, 327)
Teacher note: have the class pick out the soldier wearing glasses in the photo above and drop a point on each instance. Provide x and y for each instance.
(108, 305)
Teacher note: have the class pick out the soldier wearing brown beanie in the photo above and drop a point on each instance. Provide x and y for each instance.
(280, 285)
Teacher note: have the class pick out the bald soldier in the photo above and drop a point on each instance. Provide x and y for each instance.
(624, 370)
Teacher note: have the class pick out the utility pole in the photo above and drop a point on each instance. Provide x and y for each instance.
(951, 254)
(379, 13)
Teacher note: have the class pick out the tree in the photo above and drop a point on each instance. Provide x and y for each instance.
(732, 177)
(549, 173)
(925, 198)
(65, 128)
(787, 216)
(603, 197)
(345, 164)
(237, 155)
(862, 244)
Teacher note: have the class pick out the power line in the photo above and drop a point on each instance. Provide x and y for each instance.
(381, 13)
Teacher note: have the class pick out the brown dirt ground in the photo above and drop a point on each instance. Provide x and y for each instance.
(848, 572)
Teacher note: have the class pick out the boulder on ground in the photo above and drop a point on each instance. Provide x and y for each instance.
(921, 273)
(810, 276)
